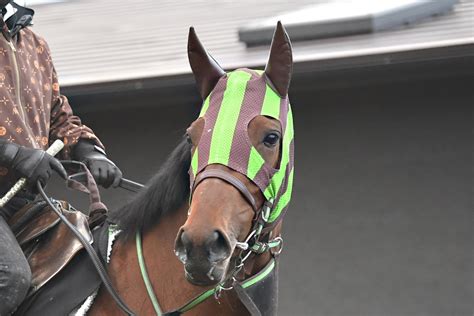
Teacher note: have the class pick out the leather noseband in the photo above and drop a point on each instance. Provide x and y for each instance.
(227, 177)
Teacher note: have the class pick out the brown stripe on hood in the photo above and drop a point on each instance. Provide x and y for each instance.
(263, 177)
(251, 106)
(210, 118)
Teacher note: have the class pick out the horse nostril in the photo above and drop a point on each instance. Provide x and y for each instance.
(219, 246)
(185, 240)
(182, 246)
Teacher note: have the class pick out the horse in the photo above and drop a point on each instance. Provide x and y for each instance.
(204, 235)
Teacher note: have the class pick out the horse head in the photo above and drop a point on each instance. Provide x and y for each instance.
(242, 158)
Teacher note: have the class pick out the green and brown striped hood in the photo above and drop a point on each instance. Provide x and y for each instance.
(236, 99)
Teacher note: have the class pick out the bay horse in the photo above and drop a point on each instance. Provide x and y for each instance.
(215, 207)
(206, 220)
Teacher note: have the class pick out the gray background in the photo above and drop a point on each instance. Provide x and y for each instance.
(380, 221)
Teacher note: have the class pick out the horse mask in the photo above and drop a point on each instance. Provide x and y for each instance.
(231, 101)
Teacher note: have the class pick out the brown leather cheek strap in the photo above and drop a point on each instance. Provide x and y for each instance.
(227, 177)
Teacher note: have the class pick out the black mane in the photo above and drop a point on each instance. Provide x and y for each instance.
(165, 192)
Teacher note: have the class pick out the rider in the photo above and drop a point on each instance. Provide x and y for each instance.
(33, 114)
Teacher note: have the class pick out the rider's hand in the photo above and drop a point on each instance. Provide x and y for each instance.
(30, 163)
(104, 171)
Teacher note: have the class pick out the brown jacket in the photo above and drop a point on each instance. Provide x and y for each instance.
(33, 113)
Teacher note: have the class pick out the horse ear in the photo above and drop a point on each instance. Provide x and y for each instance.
(205, 69)
(280, 63)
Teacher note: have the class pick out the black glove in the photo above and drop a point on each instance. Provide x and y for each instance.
(104, 171)
(30, 163)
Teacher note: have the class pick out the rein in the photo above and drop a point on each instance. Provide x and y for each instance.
(92, 254)
(252, 244)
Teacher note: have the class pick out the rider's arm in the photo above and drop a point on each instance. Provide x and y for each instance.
(80, 142)
(67, 126)
(64, 125)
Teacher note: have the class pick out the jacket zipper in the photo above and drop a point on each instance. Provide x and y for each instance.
(21, 110)
(18, 86)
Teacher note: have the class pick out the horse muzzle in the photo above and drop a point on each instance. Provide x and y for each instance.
(205, 259)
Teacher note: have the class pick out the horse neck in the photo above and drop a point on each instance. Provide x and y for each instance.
(165, 272)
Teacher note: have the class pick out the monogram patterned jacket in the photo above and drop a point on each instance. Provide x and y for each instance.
(33, 113)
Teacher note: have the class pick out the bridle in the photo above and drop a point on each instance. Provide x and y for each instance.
(259, 221)
(262, 214)
(254, 243)
(229, 178)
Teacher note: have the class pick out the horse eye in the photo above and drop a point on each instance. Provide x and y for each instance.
(271, 139)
